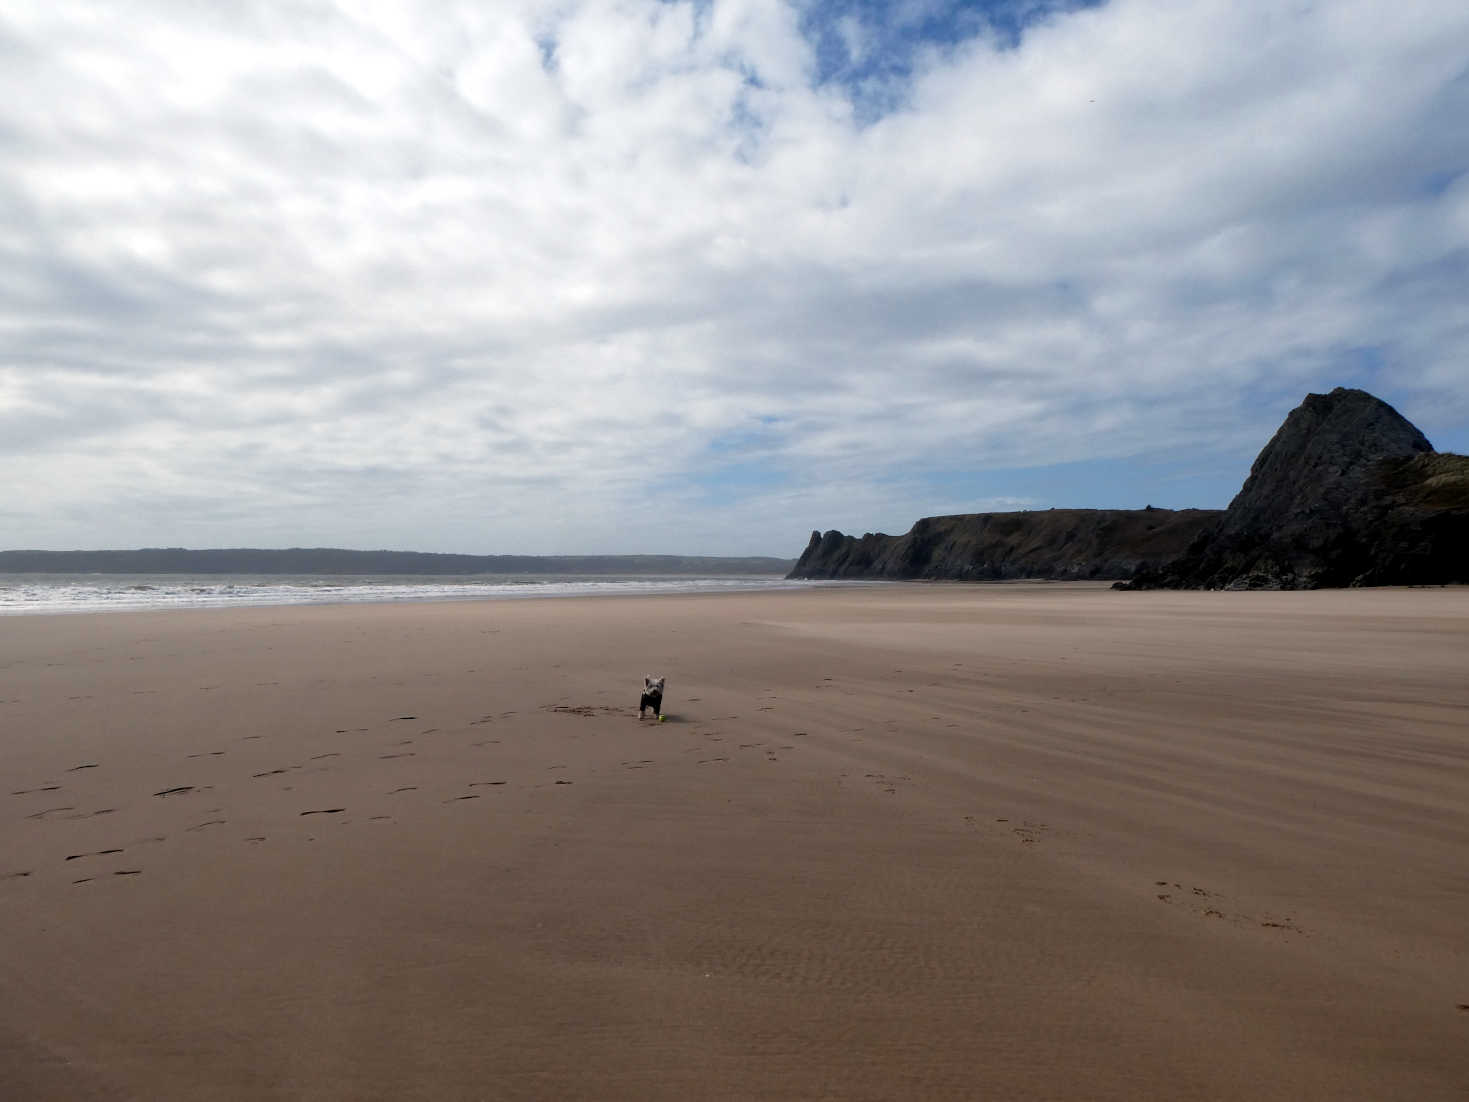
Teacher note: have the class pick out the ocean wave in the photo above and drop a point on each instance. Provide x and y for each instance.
(21, 594)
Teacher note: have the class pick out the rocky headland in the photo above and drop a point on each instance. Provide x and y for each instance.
(1347, 492)
(1094, 544)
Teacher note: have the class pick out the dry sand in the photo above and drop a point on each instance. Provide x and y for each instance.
(1010, 842)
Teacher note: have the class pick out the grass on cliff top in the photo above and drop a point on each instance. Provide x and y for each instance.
(1438, 480)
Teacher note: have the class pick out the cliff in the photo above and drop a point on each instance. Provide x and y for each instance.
(1348, 492)
(1055, 543)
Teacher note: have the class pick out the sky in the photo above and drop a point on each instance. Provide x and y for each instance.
(701, 276)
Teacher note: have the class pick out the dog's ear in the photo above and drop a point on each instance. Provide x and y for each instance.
(647, 681)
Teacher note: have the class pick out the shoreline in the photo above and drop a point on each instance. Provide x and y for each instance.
(801, 585)
(1007, 841)
(106, 593)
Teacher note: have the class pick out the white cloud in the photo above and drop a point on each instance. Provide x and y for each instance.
(535, 277)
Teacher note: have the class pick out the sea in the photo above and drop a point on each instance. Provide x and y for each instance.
(22, 594)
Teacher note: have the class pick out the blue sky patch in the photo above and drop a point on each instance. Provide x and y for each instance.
(1166, 481)
(872, 47)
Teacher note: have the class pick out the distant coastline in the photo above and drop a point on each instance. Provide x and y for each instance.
(333, 560)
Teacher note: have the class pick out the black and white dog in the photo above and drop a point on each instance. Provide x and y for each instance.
(652, 696)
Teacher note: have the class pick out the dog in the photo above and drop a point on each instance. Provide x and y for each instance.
(652, 696)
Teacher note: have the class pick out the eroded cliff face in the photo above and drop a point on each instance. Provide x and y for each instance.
(1347, 492)
(1054, 543)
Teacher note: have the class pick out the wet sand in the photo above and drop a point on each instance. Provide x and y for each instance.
(1010, 842)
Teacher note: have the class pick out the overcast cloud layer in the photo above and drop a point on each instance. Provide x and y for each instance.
(612, 277)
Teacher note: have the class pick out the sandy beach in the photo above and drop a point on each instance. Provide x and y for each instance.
(1005, 842)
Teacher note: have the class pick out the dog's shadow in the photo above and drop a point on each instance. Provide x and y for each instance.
(668, 717)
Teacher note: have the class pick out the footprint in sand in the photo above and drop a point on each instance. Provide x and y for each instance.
(30, 791)
(97, 853)
(886, 783)
(1029, 833)
(178, 790)
(325, 811)
(1215, 912)
(84, 765)
(50, 811)
(587, 711)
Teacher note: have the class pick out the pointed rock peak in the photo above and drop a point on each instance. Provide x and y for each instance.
(1327, 445)
(1347, 492)
(1346, 424)
(1351, 413)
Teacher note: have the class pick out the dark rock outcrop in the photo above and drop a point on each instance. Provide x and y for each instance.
(1054, 543)
(1347, 492)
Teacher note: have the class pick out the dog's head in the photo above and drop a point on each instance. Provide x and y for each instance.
(653, 684)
